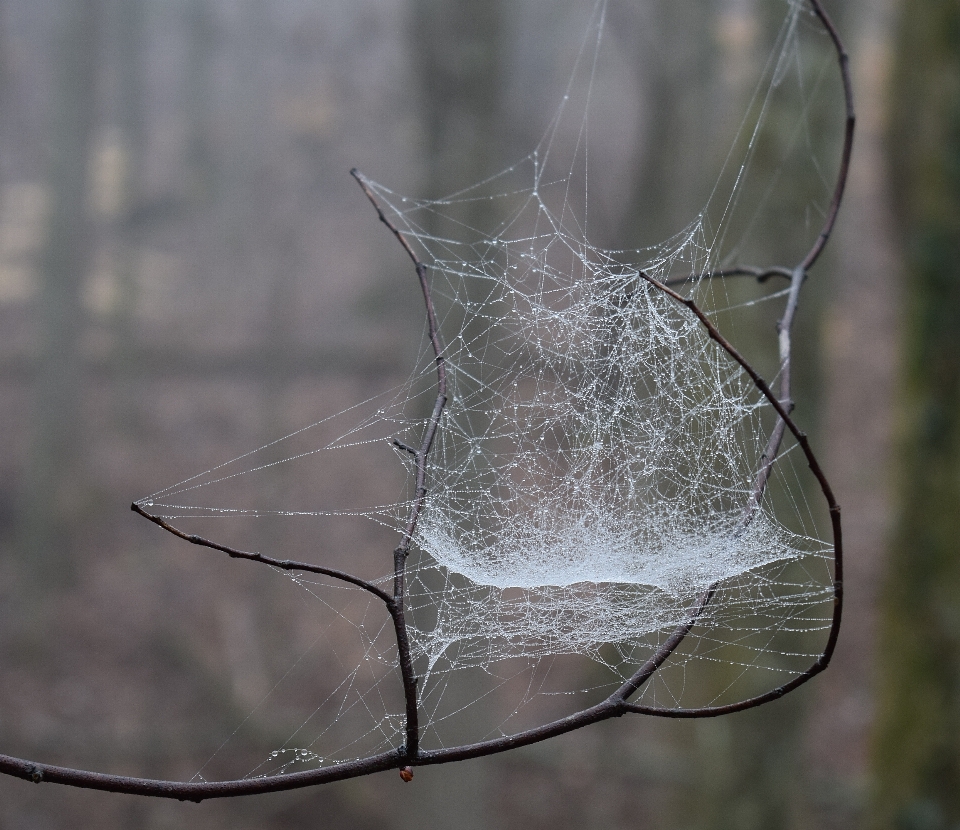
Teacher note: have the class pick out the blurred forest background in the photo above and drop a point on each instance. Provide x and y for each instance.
(187, 272)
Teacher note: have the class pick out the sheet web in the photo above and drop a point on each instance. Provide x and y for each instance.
(592, 474)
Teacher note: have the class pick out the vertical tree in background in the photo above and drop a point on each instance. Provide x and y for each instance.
(51, 488)
(918, 744)
(131, 45)
(201, 45)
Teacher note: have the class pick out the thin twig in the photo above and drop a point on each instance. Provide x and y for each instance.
(850, 122)
(191, 791)
(824, 659)
(783, 404)
(420, 456)
(616, 704)
(283, 564)
(667, 648)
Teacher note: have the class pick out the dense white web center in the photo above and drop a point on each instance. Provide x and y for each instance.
(595, 442)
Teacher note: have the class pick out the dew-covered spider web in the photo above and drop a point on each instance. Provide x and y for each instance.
(595, 466)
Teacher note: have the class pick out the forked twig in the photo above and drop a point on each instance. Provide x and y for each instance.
(400, 554)
(615, 705)
(783, 404)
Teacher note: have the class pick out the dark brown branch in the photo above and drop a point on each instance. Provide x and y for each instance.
(283, 564)
(420, 456)
(616, 704)
(404, 447)
(189, 791)
(759, 274)
(823, 660)
(433, 332)
(667, 648)
(783, 403)
(850, 122)
(404, 659)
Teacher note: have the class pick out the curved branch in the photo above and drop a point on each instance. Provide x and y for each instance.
(850, 122)
(433, 331)
(191, 791)
(782, 404)
(420, 460)
(282, 564)
(782, 409)
(616, 704)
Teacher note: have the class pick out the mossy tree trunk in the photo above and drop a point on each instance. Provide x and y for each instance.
(918, 731)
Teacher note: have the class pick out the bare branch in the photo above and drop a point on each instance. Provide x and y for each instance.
(782, 407)
(666, 649)
(283, 564)
(851, 119)
(782, 403)
(617, 703)
(404, 447)
(190, 791)
(400, 554)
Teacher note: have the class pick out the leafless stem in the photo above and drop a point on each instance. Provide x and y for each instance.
(282, 564)
(667, 648)
(845, 154)
(420, 460)
(783, 404)
(617, 703)
(782, 409)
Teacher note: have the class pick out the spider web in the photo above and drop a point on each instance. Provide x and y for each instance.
(593, 469)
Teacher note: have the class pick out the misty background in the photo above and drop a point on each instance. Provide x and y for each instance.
(187, 271)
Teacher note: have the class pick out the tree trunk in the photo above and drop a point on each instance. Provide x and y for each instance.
(918, 729)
